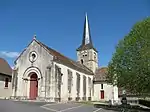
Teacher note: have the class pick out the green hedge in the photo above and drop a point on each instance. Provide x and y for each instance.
(144, 102)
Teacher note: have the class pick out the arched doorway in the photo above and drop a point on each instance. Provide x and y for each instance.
(33, 86)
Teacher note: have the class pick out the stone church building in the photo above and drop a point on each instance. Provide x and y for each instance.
(42, 73)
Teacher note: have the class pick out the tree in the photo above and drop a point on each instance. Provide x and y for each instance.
(130, 64)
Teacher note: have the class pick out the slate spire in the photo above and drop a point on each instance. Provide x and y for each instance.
(86, 39)
(86, 32)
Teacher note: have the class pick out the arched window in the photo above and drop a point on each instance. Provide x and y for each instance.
(81, 61)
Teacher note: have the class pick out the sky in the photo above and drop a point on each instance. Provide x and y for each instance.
(59, 24)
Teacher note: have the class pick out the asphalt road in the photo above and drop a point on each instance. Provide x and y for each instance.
(13, 106)
(20, 106)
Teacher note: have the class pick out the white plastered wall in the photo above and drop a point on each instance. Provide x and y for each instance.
(64, 86)
(5, 92)
(110, 92)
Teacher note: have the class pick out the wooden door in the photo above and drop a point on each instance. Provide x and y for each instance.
(102, 94)
(33, 87)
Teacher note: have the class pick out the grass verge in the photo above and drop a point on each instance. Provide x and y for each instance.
(86, 102)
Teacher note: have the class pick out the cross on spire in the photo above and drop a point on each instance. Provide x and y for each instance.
(34, 37)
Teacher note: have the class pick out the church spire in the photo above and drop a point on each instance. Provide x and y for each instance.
(86, 33)
(86, 53)
(86, 40)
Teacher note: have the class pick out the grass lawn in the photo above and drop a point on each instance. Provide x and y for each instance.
(86, 102)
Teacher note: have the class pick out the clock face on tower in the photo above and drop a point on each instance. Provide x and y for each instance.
(32, 56)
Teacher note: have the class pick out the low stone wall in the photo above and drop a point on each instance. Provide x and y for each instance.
(130, 100)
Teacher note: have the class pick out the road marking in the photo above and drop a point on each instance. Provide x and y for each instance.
(49, 109)
(97, 110)
(55, 103)
(70, 108)
(50, 104)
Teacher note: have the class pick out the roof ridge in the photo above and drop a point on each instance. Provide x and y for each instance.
(83, 66)
(103, 67)
(44, 45)
(73, 62)
(61, 58)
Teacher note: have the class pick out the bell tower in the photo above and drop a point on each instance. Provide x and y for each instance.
(86, 53)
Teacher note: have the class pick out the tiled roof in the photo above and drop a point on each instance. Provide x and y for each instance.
(100, 74)
(60, 58)
(66, 61)
(5, 68)
(86, 47)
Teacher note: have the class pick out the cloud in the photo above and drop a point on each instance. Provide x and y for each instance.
(9, 54)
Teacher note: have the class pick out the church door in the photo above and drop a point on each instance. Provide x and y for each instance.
(33, 86)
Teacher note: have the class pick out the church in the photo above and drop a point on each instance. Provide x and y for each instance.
(42, 73)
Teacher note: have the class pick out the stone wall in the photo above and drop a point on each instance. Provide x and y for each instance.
(89, 57)
(39, 66)
(51, 86)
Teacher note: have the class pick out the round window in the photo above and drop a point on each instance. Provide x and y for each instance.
(32, 56)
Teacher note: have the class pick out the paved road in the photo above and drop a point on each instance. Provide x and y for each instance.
(13, 106)
(72, 107)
